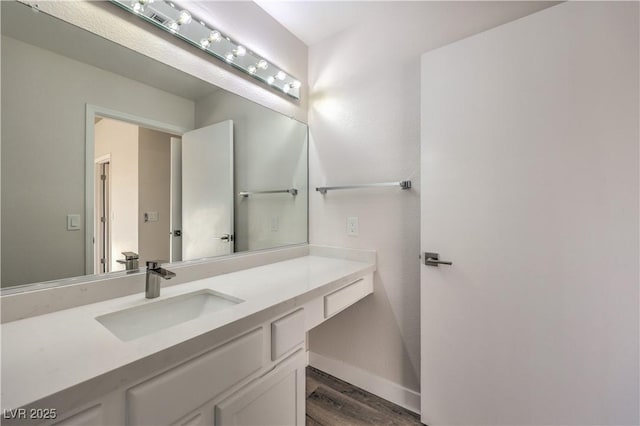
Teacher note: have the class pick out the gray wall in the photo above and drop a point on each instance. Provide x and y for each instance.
(154, 177)
(43, 143)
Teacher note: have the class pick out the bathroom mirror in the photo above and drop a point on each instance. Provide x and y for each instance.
(107, 151)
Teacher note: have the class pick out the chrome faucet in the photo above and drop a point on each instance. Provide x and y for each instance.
(154, 273)
(130, 260)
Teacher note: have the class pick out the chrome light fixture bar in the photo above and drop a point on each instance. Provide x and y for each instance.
(183, 25)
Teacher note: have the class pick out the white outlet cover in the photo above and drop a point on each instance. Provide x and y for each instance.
(352, 226)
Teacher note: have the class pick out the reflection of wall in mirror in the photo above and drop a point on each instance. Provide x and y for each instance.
(43, 145)
(154, 195)
(270, 153)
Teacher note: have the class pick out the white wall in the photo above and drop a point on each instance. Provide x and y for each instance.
(120, 141)
(270, 152)
(244, 21)
(44, 131)
(364, 117)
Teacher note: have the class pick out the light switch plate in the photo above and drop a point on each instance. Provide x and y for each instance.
(73, 222)
(151, 217)
(275, 223)
(352, 226)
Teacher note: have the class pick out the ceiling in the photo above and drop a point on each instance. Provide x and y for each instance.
(314, 21)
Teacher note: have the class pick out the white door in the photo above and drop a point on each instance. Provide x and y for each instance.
(176, 200)
(207, 191)
(529, 185)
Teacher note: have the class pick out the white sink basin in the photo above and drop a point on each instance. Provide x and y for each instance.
(139, 321)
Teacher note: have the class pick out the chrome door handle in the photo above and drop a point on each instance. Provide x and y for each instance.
(227, 237)
(433, 259)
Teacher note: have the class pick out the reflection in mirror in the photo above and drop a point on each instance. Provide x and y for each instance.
(175, 153)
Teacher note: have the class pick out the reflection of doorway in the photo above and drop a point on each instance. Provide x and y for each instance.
(101, 225)
(135, 214)
(210, 170)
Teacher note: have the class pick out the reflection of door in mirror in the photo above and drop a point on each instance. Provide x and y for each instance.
(133, 208)
(176, 199)
(207, 191)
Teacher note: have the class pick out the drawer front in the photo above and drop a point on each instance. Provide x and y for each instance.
(172, 395)
(347, 295)
(287, 333)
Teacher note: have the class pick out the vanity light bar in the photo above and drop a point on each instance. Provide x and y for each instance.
(183, 25)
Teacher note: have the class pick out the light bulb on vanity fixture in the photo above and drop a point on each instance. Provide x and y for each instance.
(184, 18)
(173, 26)
(215, 36)
(138, 5)
(194, 30)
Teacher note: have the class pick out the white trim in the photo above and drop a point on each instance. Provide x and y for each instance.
(91, 112)
(100, 160)
(103, 159)
(376, 385)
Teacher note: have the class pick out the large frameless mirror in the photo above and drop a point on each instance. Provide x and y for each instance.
(107, 153)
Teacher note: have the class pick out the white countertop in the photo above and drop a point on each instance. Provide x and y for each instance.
(47, 354)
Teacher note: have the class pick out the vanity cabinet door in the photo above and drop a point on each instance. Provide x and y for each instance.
(276, 399)
(172, 395)
(202, 417)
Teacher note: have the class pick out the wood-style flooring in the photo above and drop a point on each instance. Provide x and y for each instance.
(333, 402)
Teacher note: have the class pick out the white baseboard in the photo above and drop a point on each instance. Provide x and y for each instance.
(376, 385)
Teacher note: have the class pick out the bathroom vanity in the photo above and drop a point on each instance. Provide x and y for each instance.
(224, 350)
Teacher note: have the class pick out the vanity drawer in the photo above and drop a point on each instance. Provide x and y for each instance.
(172, 395)
(348, 295)
(287, 333)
